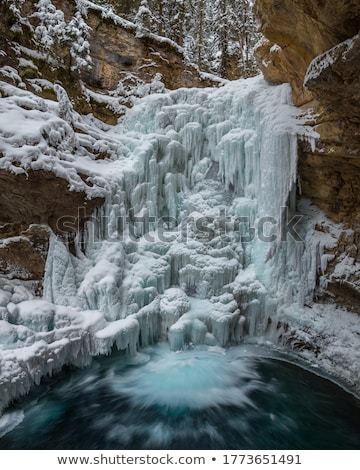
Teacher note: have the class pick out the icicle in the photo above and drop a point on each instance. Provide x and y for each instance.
(123, 333)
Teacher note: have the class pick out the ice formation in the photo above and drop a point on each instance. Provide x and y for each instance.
(190, 246)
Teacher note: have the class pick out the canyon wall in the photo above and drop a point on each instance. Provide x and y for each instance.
(315, 46)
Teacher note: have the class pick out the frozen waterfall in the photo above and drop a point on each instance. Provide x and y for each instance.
(204, 168)
(189, 246)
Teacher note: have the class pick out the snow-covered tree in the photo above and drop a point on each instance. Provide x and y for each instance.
(65, 106)
(51, 30)
(16, 19)
(15, 6)
(228, 36)
(77, 31)
(243, 35)
(200, 43)
(131, 87)
(145, 20)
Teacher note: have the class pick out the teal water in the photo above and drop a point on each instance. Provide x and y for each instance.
(195, 399)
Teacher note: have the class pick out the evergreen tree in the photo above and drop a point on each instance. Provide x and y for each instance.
(77, 32)
(51, 29)
(145, 20)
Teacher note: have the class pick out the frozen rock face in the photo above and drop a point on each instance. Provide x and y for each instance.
(38, 196)
(336, 70)
(315, 46)
(334, 81)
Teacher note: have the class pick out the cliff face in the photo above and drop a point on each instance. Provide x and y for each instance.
(304, 29)
(315, 46)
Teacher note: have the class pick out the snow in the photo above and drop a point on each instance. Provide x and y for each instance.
(327, 59)
(128, 91)
(178, 252)
(43, 137)
(10, 72)
(85, 5)
(275, 48)
(334, 332)
(37, 315)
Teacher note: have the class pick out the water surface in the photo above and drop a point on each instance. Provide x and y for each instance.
(194, 399)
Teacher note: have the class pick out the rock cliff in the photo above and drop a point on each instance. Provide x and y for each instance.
(315, 46)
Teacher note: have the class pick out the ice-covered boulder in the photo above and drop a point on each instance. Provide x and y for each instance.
(37, 315)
